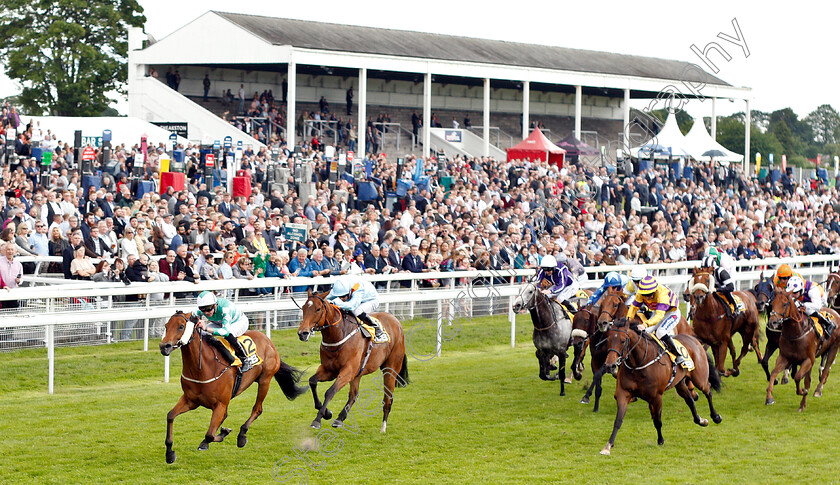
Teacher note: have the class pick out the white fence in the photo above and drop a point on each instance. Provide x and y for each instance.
(73, 313)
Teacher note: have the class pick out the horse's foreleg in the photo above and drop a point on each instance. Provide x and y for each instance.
(656, 414)
(804, 372)
(262, 391)
(345, 376)
(771, 347)
(320, 375)
(354, 391)
(781, 363)
(736, 361)
(181, 407)
(216, 420)
(561, 371)
(720, 359)
(622, 397)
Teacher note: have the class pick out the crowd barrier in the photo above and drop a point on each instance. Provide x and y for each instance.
(56, 312)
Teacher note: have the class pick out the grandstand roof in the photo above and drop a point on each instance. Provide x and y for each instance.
(371, 40)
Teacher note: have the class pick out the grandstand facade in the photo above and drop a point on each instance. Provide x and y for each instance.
(510, 85)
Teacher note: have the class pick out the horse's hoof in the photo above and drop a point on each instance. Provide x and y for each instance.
(337, 424)
(817, 393)
(717, 419)
(605, 451)
(384, 427)
(703, 422)
(584, 400)
(660, 442)
(801, 408)
(223, 432)
(241, 441)
(562, 393)
(568, 380)
(327, 414)
(545, 377)
(695, 396)
(770, 401)
(170, 457)
(775, 382)
(785, 380)
(736, 372)
(315, 425)
(203, 446)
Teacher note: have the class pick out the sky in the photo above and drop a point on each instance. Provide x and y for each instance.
(789, 44)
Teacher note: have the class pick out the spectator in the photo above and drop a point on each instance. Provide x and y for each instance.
(11, 272)
(81, 267)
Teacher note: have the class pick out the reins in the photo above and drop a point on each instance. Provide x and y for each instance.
(325, 324)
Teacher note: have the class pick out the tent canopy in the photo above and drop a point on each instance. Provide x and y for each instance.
(575, 147)
(669, 142)
(537, 147)
(698, 141)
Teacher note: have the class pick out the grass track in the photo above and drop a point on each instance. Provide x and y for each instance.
(479, 413)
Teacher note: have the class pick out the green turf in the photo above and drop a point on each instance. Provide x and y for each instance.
(478, 413)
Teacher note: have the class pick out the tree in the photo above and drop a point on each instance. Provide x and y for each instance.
(797, 126)
(825, 124)
(67, 54)
(785, 136)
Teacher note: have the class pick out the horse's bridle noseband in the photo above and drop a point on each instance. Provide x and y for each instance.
(324, 324)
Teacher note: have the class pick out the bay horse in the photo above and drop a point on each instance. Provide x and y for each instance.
(346, 356)
(800, 345)
(832, 289)
(552, 331)
(613, 306)
(208, 380)
(714, 328)
(645, 371)
(764, 292)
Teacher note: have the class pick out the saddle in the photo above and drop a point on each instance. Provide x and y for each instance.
(739, 304)
(369, 332)
(687, 364)
(247, 344)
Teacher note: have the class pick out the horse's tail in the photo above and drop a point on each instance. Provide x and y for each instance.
(404, 373)
(714, 377)
(288, 377)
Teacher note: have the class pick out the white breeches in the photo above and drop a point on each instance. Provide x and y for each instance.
(367, 307)
(568, 292)
(667, 325)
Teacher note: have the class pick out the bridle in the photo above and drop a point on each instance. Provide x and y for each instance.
(325, 324)
(786, 316)
(533, 303)
(624, 354)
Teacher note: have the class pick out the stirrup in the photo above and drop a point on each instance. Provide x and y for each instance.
(247, 364)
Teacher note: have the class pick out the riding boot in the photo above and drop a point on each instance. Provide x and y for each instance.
(379, 336)
(239, 350)
(568, 305)
(672, 347)
(828, 326)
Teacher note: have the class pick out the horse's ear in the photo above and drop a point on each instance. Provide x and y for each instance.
(324, 295)
(178, 312)
(309, 292)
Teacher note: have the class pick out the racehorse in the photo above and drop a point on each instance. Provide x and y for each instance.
(613, 307)
(645, 371)
(346, 356)
(832, 288)
(799, 344)
(552, 331)
(208, 381)
(714, 328)
(764, 291)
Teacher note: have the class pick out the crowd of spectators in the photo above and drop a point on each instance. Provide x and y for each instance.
(495, 214)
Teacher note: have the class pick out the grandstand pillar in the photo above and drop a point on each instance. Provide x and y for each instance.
(291, 79)
(361, 129)
(526, 108)
(578, 99)
(427, 113)
(747, 123)
(486, 128)
(714, 120)
(626, 118)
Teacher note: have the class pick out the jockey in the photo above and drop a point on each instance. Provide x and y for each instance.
(360, 298)
(724, 286)
(562, 284)
(667, 313)
(613, 280)
(783, 275)
(226, 321)
(724, 260)
(812, 299)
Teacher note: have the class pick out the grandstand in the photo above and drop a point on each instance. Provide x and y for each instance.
(566, 90)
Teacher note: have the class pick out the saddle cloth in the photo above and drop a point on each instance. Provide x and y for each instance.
(688, 364)
(739, 304)
(370, 332)
(247, 344)
(817, 325)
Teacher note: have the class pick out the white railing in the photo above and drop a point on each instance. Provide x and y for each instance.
(43, 308)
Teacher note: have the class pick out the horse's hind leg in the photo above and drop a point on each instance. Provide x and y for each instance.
(262, 391)
(562, 372)
(804, 371)
(682, 390)
(216, 420)
(320, 375)
(389, 380)
(181, 407)
(828, 359)
(622, 397)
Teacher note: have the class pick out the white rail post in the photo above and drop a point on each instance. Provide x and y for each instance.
(166, 369)
(439, 343)
(146, 324)
(512, 317)
(413, 289)
(51, 357)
